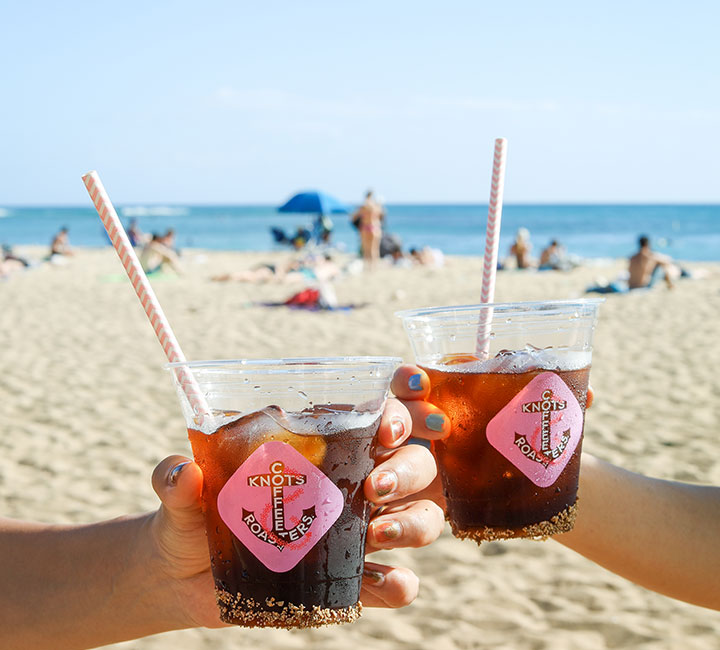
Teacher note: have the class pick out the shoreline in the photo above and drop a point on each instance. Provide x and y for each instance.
(683, 231)
(38, 252)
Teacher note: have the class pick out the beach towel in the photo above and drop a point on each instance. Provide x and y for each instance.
(312, 299)
(307, 298)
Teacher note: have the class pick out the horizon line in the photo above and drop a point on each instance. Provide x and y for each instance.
(388, 203)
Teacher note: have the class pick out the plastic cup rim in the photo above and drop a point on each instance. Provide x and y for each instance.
(326, 364)
(506, 307)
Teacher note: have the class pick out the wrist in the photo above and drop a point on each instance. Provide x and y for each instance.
(589, 468)
(141, 595)
(184, 586)
(159, 585)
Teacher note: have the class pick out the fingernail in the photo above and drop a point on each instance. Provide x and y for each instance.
(435, 422)
(397, 428)
(376, 577)
(389, 530)
(415, 382)
(175, 472)
(384, 482)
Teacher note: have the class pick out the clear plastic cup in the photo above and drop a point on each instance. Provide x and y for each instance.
(511, 463)
(284, 455)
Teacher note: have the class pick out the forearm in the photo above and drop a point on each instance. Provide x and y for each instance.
(80, 586)
(660, 534)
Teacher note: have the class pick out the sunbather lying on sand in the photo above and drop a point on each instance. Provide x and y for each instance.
(320, 268)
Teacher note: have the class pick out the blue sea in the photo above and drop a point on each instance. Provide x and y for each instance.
(686, 232)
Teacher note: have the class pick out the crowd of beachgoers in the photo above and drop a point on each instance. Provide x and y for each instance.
(316, 260)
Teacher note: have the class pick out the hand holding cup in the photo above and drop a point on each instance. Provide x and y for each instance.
(177, 542)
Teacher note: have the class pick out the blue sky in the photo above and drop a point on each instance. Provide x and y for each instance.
(239, 102)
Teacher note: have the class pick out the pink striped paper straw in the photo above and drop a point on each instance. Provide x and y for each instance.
(145, 293)
(492, 243)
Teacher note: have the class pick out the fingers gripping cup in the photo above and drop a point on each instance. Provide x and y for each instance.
(284, 455)
(516, 400)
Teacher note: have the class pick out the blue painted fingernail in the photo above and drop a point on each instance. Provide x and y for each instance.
(415, 382)
(435, 422)
(175, 472)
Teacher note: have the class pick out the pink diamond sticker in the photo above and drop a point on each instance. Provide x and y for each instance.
(279, 505)
(539, 429)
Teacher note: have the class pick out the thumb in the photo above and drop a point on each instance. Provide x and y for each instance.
(178, 482)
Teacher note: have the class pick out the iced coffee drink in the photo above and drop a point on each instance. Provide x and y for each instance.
(510, 465)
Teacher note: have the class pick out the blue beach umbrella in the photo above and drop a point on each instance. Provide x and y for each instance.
(313, 202)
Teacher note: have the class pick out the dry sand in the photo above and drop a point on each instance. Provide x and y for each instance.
(87, 411)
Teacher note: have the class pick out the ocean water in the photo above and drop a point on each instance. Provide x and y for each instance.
(687, 232)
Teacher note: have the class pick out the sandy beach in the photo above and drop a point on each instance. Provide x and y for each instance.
(88, 410)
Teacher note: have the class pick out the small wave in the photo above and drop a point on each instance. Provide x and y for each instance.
(4, 213)
(153, 211)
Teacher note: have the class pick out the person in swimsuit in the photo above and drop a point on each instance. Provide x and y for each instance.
(646, 264)
(521, 249)
(644, 268)
(136, 236)
(368, 219)
(60, 244)
(156, 254)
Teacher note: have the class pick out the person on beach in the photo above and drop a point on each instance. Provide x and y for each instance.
(662, 535)
(644, 268)
(157, 254)
(554, 257)
(82, 586)
(60, 245)
(322, 230)
(136, 236)
(311, 268)
(168, 239)
(9, 255)
(428, 256)
(521, 249)
(646, 265)
(10, 262)
(368, 220)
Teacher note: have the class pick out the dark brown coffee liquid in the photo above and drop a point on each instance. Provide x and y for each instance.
(326, 582)
(487, 496)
